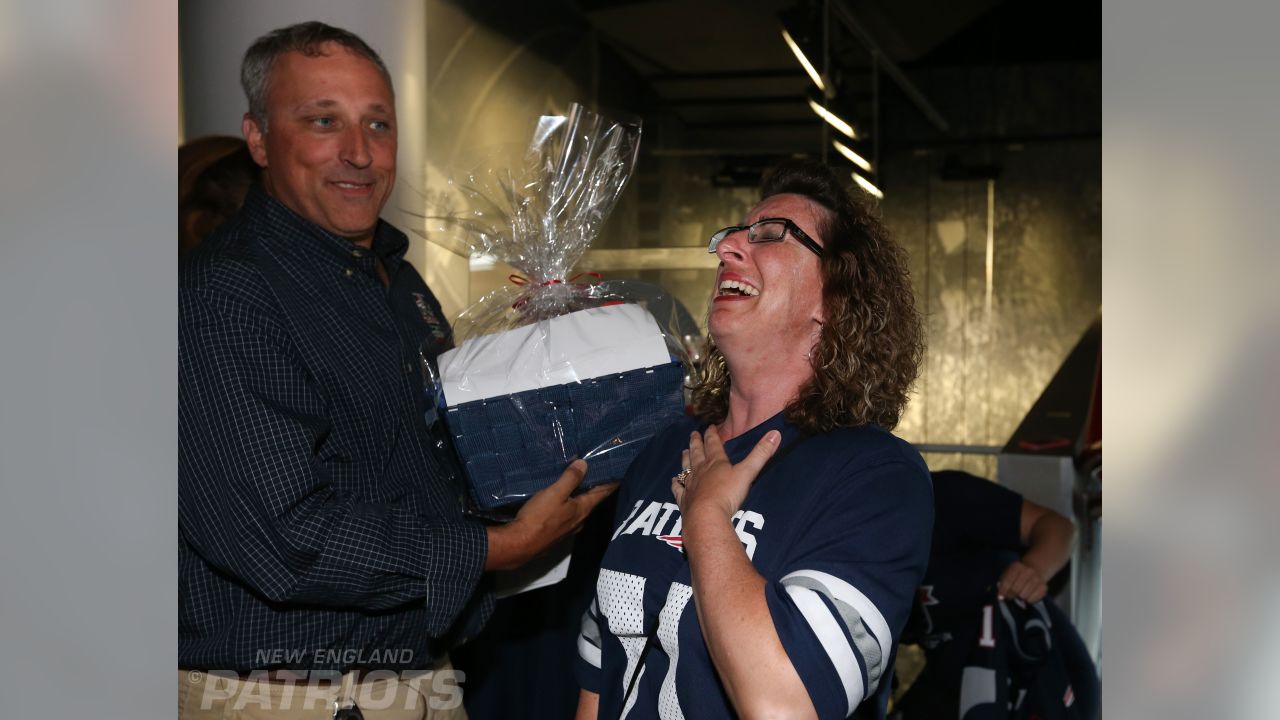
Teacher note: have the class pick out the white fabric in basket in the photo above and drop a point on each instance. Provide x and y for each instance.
(570, 348)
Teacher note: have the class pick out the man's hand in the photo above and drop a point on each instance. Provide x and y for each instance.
(1020, 580)
(546, 517)
(1047, 536)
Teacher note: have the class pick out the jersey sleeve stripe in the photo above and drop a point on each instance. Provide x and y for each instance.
(842, 593)
(589, 638)
(588, 652)
(824, 625)
(862, 639)
(858, 636)
(591, 624)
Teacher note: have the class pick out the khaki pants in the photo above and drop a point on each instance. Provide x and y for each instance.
(434, 694)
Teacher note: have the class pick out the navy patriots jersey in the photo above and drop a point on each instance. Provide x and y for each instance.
(838, 525)
(978, 665)
(1028, 663)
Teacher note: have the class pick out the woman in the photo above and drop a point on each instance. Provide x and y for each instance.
(767, 553)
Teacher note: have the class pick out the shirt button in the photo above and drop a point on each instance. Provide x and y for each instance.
(349, 272)
(357, 253)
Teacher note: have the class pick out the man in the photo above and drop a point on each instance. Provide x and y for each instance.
(320, 524)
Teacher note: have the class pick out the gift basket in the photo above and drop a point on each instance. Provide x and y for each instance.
(556, 365)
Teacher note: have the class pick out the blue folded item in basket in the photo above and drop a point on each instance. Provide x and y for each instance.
(515, 445)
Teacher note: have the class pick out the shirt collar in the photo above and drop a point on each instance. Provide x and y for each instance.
(738, 447)
(291, 230)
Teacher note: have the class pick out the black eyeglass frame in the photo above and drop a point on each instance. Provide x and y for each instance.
(791, 227)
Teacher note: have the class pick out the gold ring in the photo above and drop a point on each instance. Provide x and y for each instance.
(683, 475)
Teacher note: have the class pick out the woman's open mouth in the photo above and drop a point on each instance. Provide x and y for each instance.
(736, 288)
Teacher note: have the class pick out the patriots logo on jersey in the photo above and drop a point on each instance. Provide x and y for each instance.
(674, 541)
(925, 599)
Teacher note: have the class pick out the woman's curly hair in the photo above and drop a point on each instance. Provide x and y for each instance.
(871, 345)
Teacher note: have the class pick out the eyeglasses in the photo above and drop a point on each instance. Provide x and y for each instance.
(768, 230)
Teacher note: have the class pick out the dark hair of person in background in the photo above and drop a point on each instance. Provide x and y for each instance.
(872, 343)
(214, 173)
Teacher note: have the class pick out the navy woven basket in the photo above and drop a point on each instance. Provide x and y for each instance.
(515, 445)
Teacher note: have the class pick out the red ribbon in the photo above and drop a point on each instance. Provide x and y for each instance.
(521, 281)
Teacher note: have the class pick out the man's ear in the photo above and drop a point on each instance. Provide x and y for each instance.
(256, 139)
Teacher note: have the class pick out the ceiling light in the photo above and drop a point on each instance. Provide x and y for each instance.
(853, 157)
(833, 120)
(804, 61)
(865, 184)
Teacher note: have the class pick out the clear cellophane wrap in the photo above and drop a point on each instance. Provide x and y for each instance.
(559, 364)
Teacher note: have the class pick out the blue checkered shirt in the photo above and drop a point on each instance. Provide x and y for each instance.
(319, 515)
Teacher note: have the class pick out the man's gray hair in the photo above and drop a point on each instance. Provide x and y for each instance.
(307, 38)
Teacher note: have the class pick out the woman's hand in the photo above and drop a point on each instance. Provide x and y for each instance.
(713, 483)
(728, 592)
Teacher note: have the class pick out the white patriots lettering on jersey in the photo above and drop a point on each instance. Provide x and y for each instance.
(741, 521)
(650, 519)
(852, 631)
(662, 520)
(643, 523)
(634, 510)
